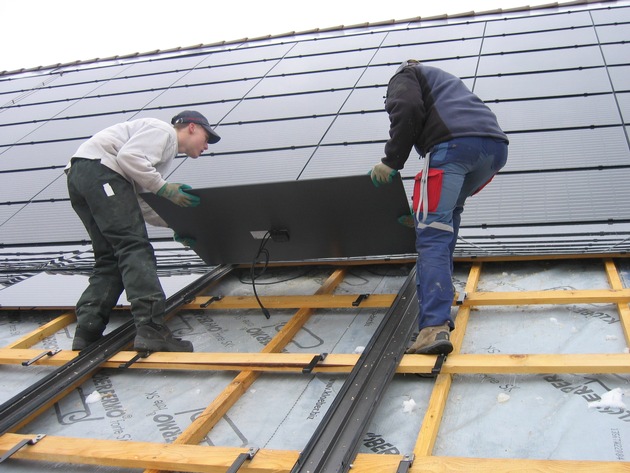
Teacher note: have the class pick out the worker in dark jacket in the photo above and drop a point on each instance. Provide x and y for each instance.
(463, 148)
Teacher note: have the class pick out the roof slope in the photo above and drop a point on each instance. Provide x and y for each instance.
(310, 106)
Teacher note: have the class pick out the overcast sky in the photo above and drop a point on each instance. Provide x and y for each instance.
(45, 32)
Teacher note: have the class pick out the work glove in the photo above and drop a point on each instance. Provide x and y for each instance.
(382, 174)
(407, 220)
(190, 242)
(175, 193)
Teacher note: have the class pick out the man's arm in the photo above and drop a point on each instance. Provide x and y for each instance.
(405, 106)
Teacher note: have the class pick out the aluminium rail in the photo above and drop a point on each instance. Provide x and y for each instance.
(335, 442)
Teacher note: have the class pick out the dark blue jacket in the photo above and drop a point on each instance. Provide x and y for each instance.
(428, 106)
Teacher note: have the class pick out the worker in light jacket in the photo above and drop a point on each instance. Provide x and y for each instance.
(105, 176)
(464, 147)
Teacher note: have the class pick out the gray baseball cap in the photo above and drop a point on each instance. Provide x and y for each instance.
(192, 116)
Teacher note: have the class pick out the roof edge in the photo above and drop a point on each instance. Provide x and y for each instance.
(444, 16)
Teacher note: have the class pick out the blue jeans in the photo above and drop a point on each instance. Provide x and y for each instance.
(124, 257)
(468, 164)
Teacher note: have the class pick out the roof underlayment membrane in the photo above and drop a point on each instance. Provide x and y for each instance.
(541, 368)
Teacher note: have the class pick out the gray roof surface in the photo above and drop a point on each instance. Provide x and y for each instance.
(311, 106)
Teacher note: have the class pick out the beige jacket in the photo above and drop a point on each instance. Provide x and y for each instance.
(141, 151)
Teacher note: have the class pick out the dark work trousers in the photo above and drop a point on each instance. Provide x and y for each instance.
(107, 205)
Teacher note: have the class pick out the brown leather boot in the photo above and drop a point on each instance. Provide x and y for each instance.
(432, 341)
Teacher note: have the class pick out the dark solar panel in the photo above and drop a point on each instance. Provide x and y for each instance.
(309, 219)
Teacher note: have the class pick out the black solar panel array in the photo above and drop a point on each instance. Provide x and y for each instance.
(311, 106)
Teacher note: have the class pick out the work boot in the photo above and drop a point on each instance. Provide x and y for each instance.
(154, 337)
(432, 341)
(83, 339)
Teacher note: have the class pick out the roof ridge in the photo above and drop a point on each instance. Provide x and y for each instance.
(470, 13)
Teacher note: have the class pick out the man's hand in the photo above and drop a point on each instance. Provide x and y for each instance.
(186, 241)
(175, 193)
(407, 220)
(382, 174)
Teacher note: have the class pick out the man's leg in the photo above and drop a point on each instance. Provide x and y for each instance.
(96, 302)
(468, 163)
(105, 285)
(434, 244)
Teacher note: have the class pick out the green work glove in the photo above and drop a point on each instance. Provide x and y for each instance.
(175, 193)
(382, 174)
(186, 241)
(407, 220)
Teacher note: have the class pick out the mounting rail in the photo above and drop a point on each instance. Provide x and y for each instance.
(334, 444)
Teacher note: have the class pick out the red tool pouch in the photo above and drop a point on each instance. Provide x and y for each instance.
(434, 189)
